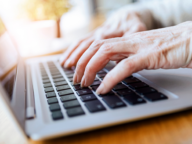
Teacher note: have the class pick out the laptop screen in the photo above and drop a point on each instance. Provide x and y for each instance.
(8, 60)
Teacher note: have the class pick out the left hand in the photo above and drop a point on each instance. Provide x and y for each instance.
(122, 23)
(166, 48)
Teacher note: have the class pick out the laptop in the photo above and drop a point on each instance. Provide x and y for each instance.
(43, 102)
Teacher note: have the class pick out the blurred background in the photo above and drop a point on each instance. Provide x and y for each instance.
(40, 27)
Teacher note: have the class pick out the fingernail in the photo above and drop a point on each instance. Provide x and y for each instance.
(82, 83)
(100, 89)
(74, 83)
(77, 79)
(67, 64)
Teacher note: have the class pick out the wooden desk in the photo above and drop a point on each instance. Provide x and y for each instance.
(170, 129)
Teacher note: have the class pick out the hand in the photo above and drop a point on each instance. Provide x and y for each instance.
(167, 48)
(122, 23)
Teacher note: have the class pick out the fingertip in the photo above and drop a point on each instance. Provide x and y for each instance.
(83, 82)
(101, 89)
(67, 64)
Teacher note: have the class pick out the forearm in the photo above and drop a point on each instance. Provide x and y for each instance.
(157, 14)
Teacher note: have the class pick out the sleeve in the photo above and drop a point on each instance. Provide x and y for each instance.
(158, 14)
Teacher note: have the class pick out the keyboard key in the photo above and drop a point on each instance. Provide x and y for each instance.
(65, 92)
(44, 75)
(107, 94)
(146, 90)
(68, 98)
(138, 85)
(155, 96)
(119, 87)
(75, 111)
(49, 89)
(113, 102)
(130, 80)
(60, 83)
(84, 92)
(56, 115)
(78, 87)
(63, 87)
(95, 106)
(54, 73)
(101, 72)
(95, 87)
(43, 71)
(57, 76)
(54, 107)
(50, 94)
(52, 100)
(46, 81)
(70, 104)
(108, 68)
(58, 79)
(68, 71)
(134, 99)
(88, 97)
(47, 85)
(124, 92)
(70, 75)
(53, 69)
(96, 82)
(70, 79)
(45, 78)
(102, 75)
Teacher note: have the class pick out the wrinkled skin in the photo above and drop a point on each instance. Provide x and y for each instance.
(122, 23)
(166, 48)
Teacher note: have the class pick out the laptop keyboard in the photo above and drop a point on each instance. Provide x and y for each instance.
(131, 91)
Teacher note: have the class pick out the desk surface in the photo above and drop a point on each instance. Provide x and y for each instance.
(169, 129)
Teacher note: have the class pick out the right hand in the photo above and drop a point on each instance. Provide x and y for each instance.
(121, 23)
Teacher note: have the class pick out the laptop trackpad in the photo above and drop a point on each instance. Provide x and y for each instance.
(177, 81)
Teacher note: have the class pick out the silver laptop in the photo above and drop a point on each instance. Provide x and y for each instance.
(45, 103)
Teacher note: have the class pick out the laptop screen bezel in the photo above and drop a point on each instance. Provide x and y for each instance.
(17, 104)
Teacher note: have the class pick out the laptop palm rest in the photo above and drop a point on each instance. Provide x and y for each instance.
(177, 81)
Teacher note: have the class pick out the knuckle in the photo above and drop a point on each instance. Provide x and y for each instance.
(89, 70)
(80, 64)
(141, 27)
(96, 44)
(107, 48)
(129, 63)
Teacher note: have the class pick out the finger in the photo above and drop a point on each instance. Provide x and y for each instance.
(77, 53)
(134, 29)
(87, 56)
(107, 52)
(107, 32)
(112, 34)
(124, 69)
(70, 50)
